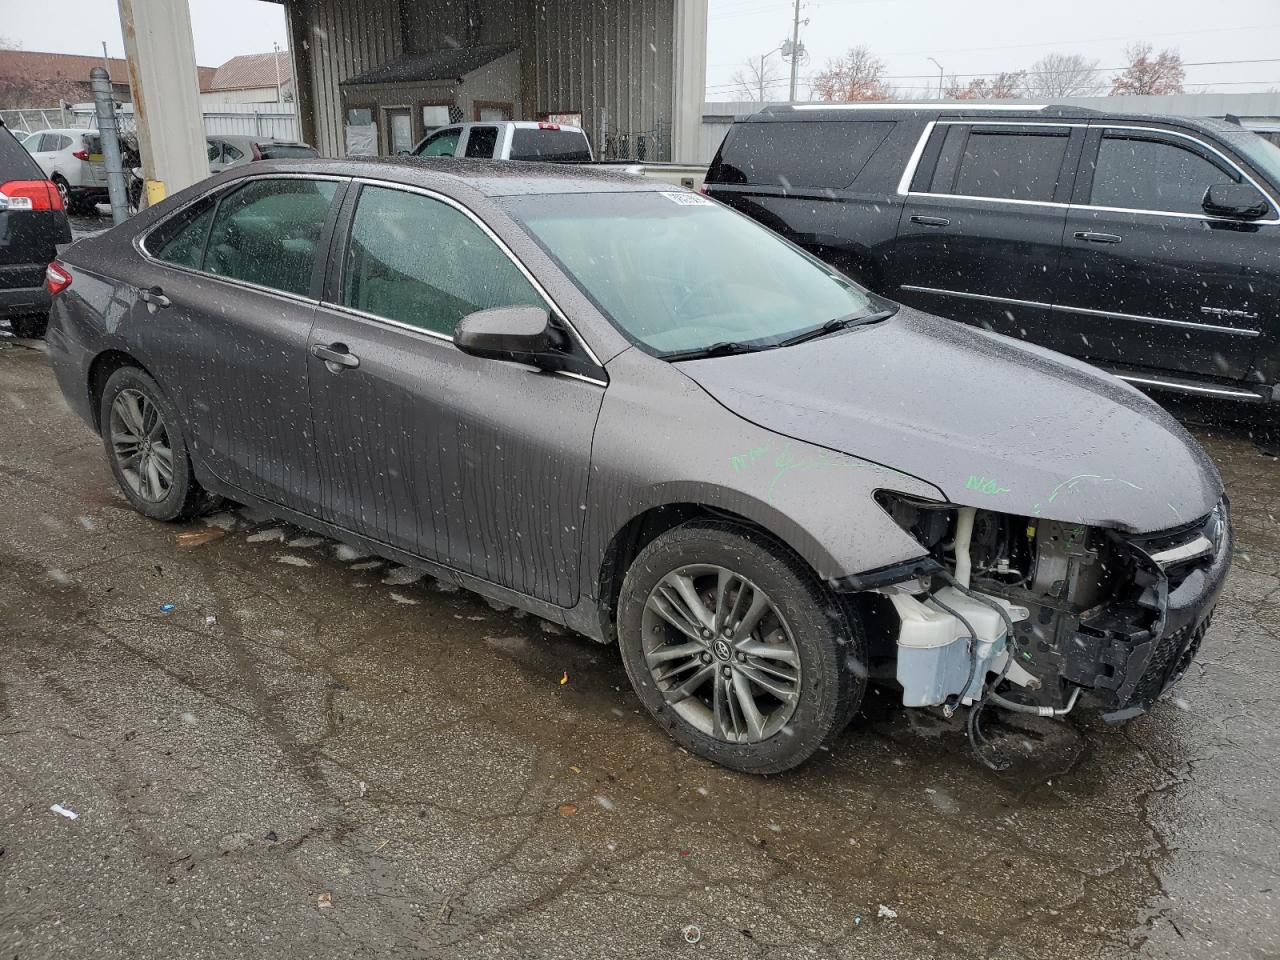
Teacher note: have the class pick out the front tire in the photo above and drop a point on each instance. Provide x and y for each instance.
(146, 447)
(736, 649)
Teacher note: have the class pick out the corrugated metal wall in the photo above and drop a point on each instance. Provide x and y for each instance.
(346, 39)
(612, 62)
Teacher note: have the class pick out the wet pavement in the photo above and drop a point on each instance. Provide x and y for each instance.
(313, 754)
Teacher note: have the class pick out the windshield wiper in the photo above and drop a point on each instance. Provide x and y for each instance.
(839, 323)
(722, 348)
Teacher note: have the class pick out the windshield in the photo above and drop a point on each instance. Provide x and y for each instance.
(1262, 153)
(677, 272)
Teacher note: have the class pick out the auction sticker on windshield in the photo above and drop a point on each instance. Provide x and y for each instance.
(688, 199)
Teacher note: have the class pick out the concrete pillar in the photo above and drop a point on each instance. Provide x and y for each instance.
(689, 88)
(166, 94)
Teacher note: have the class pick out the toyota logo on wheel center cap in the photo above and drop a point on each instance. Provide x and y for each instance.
(722, 650)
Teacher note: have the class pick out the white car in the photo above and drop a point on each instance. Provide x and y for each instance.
(72, 159)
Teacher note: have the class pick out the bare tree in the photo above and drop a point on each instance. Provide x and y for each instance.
(1147, 75)
(1064, 75)
(755, 78)
(858, 75)
(1003, 86)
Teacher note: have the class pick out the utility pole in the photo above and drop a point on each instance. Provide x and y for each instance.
(760, 78)
(166, 94)
(795, 50)
(940, 73)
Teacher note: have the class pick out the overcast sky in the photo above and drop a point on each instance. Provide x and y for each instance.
(973, 37)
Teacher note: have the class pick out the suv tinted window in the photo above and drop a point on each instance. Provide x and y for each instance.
(421, 262)
(266, 232)
(180, 239)
(796, 153)
(555, 146)
(1151, 173)
(1003, 165)
(481, 142)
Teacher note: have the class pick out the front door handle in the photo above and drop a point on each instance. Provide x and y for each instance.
(1090, 237)
(931, 221)
(154, 297)
(336, 357)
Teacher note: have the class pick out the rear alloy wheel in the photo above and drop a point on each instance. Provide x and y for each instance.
(734, 647)
(64, 191)
(146, 447)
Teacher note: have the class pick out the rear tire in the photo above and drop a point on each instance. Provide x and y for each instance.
(797, 663)
(146, 447)
(31, 326)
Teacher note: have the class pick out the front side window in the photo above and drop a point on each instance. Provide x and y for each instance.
(1151, 173)
(230, 154)
(442, 143)
(677, 272)
(267, 232)
(419, 261)
(481, 142)
(1001, 165)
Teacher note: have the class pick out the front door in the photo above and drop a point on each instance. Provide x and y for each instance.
(1148, 278)
(399, 127)
(223, 314)
(981, 227)
(477, 464)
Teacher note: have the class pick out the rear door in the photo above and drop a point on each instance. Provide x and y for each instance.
(225, 303)
(980, 233)
(477, 464)
(46, 149)
(1149, 279)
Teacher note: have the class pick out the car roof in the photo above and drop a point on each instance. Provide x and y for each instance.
(960, 110)
(492, 178)
(65, 131)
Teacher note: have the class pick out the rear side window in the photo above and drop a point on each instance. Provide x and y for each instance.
(826, 153)
(481, 142)
(180, 239)
(284, 151)
(1152, 173)
(1002, 165)
(421, 262)
(268, 231)
(553, 146)
(15, 162)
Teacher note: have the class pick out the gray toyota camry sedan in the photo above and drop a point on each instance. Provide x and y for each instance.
(632, 411)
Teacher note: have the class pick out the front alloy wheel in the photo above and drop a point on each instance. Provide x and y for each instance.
(721, 653)
(736, 648)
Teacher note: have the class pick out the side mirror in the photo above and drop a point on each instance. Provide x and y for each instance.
(1239, 201)
(520, 334)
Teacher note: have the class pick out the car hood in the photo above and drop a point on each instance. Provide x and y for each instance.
(989, 421)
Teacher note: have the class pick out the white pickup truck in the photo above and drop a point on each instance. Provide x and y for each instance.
(549, 142)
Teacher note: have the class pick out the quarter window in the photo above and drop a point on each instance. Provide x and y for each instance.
(1148, 173)
(798, 153)
(421, 262)
(1002, 165)
(267, 232)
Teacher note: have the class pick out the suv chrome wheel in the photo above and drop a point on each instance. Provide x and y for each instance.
(721, 653)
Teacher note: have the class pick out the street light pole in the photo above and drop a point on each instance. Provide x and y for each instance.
(940, 73)
(795, 50)
(276, 59)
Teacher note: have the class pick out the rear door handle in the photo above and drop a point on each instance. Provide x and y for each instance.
(931, 221)
(1090, 237)
(336, 357)
(154, 297)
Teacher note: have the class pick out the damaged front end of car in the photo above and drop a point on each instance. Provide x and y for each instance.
(1030, 614)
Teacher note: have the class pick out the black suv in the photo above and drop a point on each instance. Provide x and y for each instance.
(32, 223)
(1149, 246)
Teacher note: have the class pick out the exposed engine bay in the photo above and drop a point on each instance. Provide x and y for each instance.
(1029, 615)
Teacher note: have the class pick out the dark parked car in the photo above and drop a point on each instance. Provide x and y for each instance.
(32, 224)
(631, 411)
(1145, 245)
